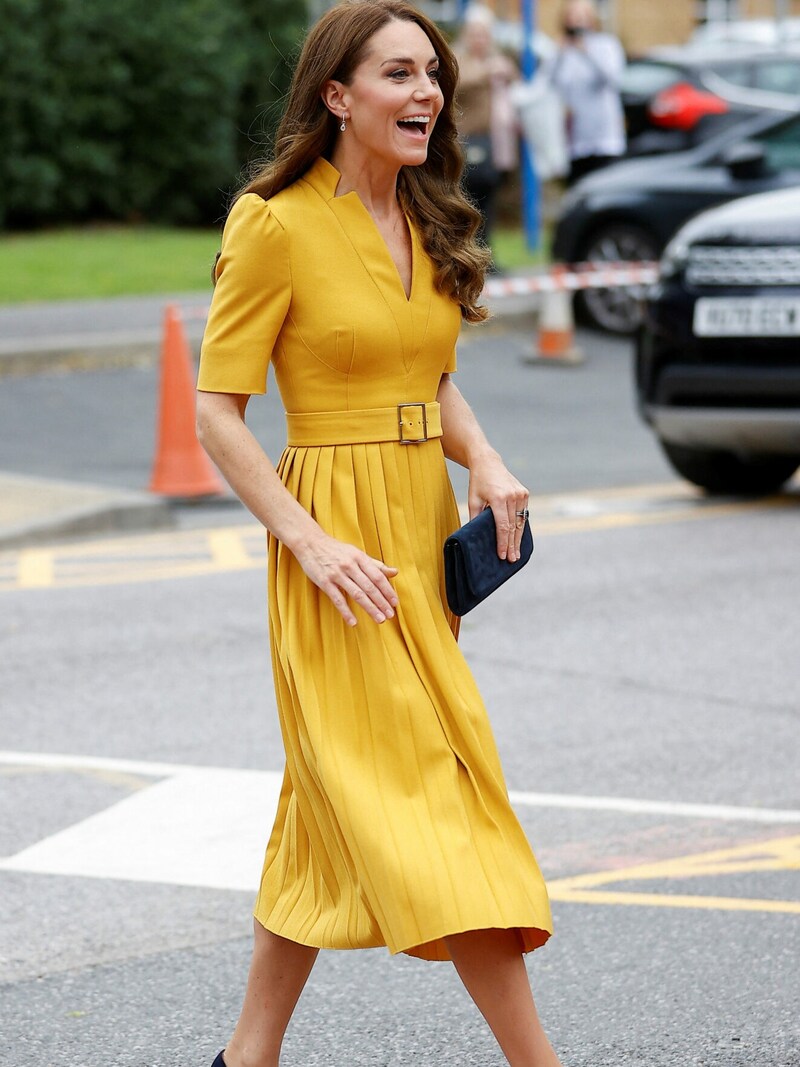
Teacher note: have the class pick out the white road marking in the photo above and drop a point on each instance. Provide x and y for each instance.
(208, 826)
(196, 827)
(674, 809)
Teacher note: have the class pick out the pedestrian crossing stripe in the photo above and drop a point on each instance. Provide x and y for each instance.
(779, 854)
(207, 826)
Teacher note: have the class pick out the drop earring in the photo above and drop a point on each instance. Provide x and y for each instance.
(343, 126)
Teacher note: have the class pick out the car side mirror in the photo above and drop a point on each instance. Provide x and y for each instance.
(745, 160)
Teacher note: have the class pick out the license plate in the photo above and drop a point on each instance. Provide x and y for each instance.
(759, 316)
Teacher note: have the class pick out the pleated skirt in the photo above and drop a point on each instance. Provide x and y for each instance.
(394, 825)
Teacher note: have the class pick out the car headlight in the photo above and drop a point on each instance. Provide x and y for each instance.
(674, 259)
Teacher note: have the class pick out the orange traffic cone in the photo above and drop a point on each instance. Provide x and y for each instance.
(556, 338)
(181, 467)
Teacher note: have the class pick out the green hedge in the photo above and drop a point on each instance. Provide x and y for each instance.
(275, 30)
(136, 109)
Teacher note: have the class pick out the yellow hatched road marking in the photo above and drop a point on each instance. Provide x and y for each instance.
(228, 551)
(780, 854)
(621, 520)
(136, 559)
(35, 568)
(667, 900)
(199, 552)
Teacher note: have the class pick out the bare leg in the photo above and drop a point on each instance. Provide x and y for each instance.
(278, 972)
(491, 966)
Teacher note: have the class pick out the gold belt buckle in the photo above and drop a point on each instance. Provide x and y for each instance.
(412, 440)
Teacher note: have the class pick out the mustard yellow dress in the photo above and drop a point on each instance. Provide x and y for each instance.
(394, 826)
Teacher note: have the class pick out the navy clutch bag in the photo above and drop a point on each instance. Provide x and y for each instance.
(472, 568)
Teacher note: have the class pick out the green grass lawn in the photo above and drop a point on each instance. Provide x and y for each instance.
(511, 251)
(103, 261)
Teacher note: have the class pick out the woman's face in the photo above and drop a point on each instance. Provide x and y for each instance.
(393, 98)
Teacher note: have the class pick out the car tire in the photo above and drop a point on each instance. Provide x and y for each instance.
(729, 473)
(615, 310)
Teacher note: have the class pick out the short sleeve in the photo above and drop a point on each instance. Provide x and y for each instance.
(451, 367)
(250, 302)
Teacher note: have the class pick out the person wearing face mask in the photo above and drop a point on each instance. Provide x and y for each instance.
(348, 264)
(587, 71)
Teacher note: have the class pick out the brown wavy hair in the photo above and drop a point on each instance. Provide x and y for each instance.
(430, 193)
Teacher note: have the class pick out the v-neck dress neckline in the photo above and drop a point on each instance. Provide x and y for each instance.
(349, 204)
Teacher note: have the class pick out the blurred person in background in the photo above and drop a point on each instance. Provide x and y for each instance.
(487, 122)
(586, 71)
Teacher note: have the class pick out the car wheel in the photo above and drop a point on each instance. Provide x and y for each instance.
(726, 472)
(615, 310)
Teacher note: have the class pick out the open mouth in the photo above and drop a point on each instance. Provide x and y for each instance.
(416, 125)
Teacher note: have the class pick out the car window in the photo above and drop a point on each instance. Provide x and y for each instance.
(779, 76)
(740, 74)
(782, 146)
(642, 78)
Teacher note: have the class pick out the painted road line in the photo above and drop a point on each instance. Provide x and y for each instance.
(199, 553)
(626, 520)
(672, 809)
(208, 826)
(142, 558)
(199, 828)
(191, 826)
(780, 854)
(67, 762)
(228, 550)
(35, 568)
(626, 805)
(672, 900)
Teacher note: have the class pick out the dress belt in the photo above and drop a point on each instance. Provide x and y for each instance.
(408, 424)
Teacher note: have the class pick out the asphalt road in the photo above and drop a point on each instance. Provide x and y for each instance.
(559, 427)
(641, 675)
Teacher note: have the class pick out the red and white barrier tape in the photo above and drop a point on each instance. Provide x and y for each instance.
(605, 275)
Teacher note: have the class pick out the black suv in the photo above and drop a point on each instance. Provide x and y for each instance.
(718, 354)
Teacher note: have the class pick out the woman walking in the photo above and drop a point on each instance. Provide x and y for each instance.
(348, 263)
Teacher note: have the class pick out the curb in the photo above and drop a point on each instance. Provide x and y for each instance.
(94, 334)
(43, 511)
(26, 357)
(65, 359)
(107, 353)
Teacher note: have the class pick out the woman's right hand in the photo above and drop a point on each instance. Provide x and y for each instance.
(344, 573)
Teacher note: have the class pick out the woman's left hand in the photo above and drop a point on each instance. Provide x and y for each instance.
(492, 485)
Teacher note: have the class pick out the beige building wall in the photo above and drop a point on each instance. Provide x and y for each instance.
(641, 24)
(638, 23)
(765, 8)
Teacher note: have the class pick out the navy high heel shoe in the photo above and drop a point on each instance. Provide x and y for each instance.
(219, 1062)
